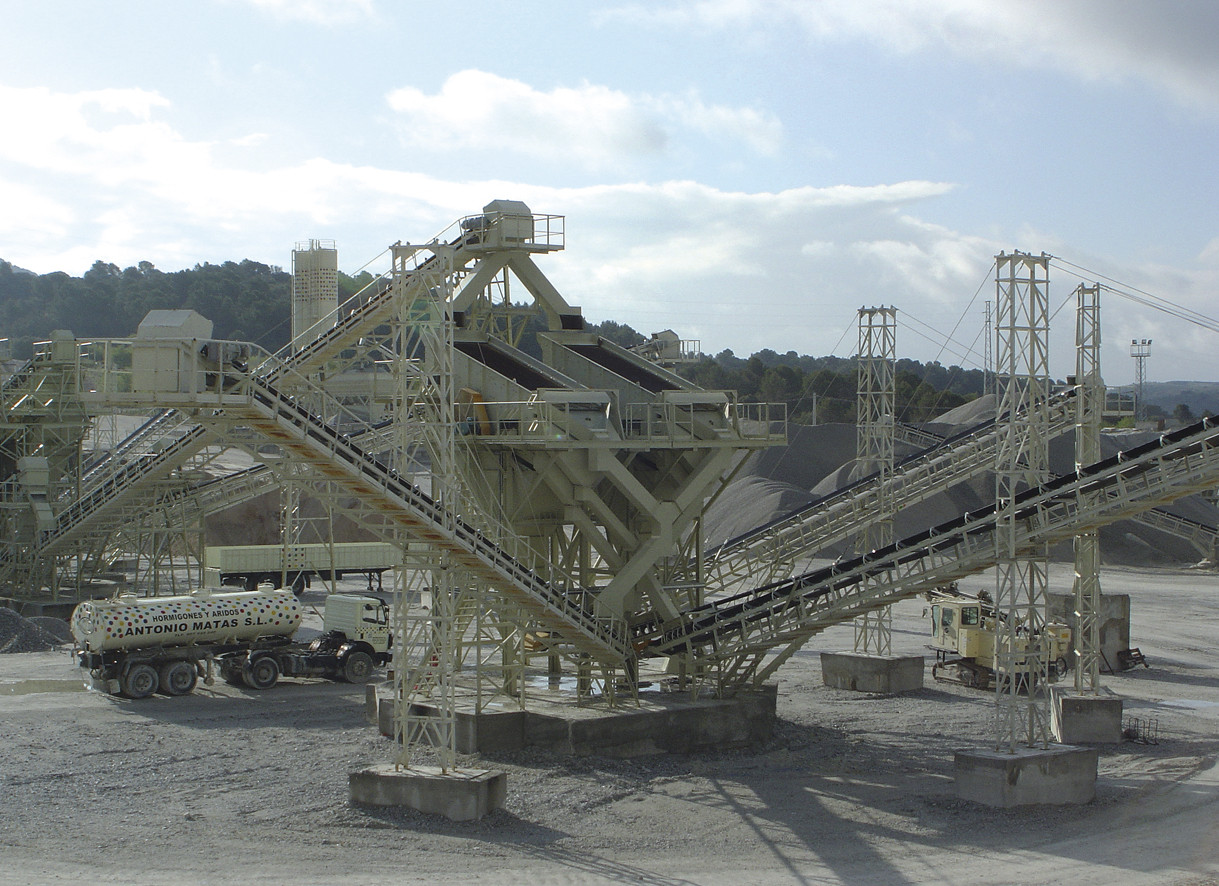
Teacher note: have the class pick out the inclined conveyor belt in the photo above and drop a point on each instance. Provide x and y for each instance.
(1176, 464)
(280, 418)
(843, 493)
(651, 382)
(507, 365)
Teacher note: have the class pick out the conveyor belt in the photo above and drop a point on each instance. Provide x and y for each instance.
(737, 631)
(771, 551)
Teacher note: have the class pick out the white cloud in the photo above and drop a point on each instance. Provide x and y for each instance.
(742, 270)
(591, 125)
(318, 12)
(31, 214)
(1170, 46)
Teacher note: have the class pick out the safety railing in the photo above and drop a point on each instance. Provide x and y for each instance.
(541, 421)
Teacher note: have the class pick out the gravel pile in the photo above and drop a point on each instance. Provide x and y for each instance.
(20, 634)
(820, 459)
(56, 627)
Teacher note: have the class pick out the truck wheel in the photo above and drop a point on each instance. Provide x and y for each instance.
(140, 681)
(1060, 667)
(178, 677)
(357, 667)
(261, 673)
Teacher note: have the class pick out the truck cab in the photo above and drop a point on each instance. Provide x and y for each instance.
(962, 628)
(360, 619)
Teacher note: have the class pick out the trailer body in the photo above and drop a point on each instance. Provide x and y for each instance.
(295, 565)
(135, 646)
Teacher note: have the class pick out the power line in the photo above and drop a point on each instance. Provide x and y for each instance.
(1142, 297)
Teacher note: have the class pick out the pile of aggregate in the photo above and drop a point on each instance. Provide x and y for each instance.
(56, 627)
(818, 460)
(20, 634)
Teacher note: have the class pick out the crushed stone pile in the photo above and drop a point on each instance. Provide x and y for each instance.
(56, 627)
(20, 634)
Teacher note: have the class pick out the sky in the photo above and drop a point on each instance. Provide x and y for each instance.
(747, 173)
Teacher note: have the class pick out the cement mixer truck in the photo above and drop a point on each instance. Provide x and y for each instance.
(135, 646)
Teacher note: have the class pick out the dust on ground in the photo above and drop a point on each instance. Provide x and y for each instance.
(233, 785)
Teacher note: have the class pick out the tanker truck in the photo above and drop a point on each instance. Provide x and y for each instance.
(135, 646)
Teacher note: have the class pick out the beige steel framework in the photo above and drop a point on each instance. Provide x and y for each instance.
(425, 410)
(540, 519)
(876, 411)
(1022, 461)
(1089, 401)
(740, 641)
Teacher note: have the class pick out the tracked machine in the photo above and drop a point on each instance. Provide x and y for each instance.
(964, 628)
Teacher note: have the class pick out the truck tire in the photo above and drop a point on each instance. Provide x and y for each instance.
(178, 677)
(261, 673)
(357, 667)
(140, 681)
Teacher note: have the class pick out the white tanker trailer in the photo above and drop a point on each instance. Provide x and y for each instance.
(134, 646)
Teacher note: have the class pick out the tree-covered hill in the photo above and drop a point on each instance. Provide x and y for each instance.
(246, 300)
(250, 301)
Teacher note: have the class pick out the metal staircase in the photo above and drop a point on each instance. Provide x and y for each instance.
(489, 551)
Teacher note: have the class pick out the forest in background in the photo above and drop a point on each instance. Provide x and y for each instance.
(250, 301)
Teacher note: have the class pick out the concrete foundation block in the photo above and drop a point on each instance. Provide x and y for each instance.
(883, 674)
(670, 723)
(1060, 775)
(1113, 623)
(458, 795)
(1085, 719)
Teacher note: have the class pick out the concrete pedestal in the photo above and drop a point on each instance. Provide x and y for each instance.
(884, 674)
(669, 722)
(458, 795)
(1085, 719)
(1113, 623)
(1060, 775)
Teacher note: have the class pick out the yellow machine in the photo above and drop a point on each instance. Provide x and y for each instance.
(963, 630)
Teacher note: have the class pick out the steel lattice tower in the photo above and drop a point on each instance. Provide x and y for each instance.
(1022, 460)
(876, 407)
(1140, 350)
(1089, 394)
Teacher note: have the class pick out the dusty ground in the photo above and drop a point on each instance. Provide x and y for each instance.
(230, 785)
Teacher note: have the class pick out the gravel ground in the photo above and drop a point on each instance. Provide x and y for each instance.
(230, 785)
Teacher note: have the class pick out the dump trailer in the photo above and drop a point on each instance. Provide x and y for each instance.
(135, 646)
(963, 632)
(297, 564)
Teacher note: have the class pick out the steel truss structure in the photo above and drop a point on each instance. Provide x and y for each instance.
(546, 509)
(1022, 713)
(1090, 400)
(876, 416)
